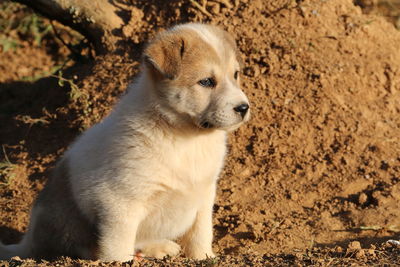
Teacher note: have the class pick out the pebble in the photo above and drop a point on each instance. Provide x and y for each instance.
(354, 245)
(362, 198)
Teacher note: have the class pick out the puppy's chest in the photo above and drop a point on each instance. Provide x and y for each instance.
(186, 170)
(194, 161)
(171, 213)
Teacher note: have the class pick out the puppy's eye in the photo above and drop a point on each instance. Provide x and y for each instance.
(236, 75)
(207, 82)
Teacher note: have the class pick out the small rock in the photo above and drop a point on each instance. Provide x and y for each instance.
(355, 245)
(360, 254)
(394, 243)
(294, 196)
(362, 198)
(256, 71)
(355, 249)
(371, 252)
(249, 71)
(244, 173)
(214, 8)
(339, 249)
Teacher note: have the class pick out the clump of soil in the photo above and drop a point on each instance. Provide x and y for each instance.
(389, 9)
(318, 165)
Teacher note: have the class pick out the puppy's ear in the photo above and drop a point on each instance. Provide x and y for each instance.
(163, 56)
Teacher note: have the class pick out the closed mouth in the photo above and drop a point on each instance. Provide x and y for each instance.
(206, 125)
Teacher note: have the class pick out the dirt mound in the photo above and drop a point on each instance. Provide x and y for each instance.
(319, 163)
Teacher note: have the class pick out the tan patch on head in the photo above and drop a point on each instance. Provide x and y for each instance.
(173, 53)
(184, 52)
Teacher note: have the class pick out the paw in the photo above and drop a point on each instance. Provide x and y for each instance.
(200, 254)
(159, 248)
(115, 257)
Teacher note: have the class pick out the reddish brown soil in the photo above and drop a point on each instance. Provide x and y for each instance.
(317, 167)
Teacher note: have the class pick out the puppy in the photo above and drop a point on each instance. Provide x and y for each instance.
(146, 175)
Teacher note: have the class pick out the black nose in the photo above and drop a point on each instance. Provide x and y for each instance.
(242, 109)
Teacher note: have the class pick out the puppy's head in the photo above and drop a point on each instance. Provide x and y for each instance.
(195, 72)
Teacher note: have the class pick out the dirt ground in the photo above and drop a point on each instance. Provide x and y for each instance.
(316, 168)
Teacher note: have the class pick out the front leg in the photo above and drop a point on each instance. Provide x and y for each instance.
(197, 241)
(118, 226)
